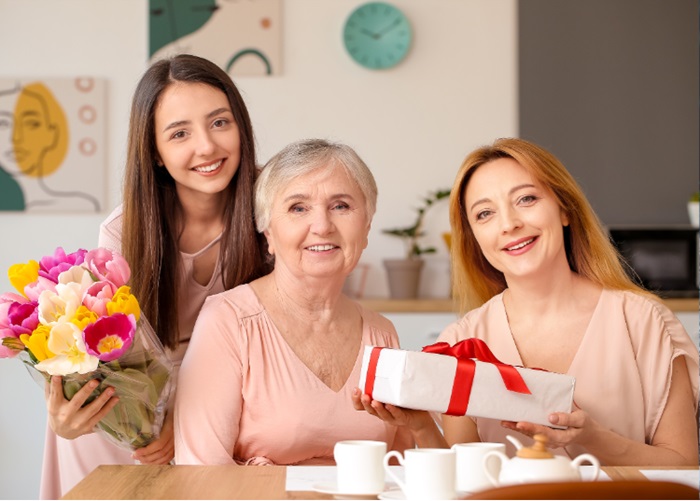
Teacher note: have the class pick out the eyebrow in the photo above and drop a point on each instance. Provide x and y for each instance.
(211, 114)
(301, 196)
(512, 190)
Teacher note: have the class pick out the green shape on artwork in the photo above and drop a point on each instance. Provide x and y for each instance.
(11, 194)
(170, 20)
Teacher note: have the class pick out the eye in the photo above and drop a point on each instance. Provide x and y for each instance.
(341, 206)
(32, 124)
(297, 209)
(528, 199)
(178, 135)
(220, 122)
(483, 214)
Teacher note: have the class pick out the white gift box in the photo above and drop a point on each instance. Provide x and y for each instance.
(424, 381)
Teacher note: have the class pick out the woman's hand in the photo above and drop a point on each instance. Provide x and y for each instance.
(580, 427)
(420, 423)
(162, 450)
(391, 414)
(68, 418)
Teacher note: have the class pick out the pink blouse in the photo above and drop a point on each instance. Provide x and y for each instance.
(244, 397)
(622, 367)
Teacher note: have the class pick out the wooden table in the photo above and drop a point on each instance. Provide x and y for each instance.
(220, 482)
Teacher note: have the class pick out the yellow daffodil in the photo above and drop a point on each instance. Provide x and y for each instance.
(124, 302)
(23, 274)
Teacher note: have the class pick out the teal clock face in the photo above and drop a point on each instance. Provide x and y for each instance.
(377, 35)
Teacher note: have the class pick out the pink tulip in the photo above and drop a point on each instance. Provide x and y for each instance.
(52, 266)
(34, 290)
(5, 330)
(108, 265)
(23, 318)
(98, 295)
(110, 337)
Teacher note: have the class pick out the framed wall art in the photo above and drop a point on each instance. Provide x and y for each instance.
(242, 37)
(53, 145)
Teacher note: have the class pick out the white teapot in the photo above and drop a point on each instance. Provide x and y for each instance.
(536, 464)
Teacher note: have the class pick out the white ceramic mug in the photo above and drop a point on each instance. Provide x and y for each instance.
(359, 466)
(429, 473)
(471, 476)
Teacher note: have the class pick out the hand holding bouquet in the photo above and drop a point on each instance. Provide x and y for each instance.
(75, 317)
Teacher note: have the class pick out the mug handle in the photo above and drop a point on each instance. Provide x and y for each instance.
(501, 458)
(399, 458)
(591, 459)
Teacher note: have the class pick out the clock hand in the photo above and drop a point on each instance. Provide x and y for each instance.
(369, 33)
(386, 30)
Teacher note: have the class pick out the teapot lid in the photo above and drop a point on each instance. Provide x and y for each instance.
(538, 449)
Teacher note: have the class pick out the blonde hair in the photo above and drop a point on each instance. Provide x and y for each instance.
(589, 250)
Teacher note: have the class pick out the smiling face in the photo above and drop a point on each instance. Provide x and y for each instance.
(318, 225)
(516, 220)
(197, 138)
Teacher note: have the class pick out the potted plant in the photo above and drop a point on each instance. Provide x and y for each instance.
(404, 274)
(694, 209)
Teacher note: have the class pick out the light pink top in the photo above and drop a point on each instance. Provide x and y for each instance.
(622, 367)
(66, 462)
(246, 398)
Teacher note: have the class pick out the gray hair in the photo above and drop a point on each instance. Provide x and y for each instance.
(303, 157)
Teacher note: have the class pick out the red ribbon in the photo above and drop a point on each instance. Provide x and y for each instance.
(372, 370)
(464, 351)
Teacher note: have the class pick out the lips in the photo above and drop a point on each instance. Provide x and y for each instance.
(519, 245)
(322, 248)
(206, 169)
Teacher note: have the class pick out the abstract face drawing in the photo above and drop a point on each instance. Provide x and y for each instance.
(40, 132)
(7, 120)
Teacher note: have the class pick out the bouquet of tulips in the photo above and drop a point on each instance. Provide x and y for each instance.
(75, 317)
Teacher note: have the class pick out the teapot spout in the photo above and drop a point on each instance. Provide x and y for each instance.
(518, 445)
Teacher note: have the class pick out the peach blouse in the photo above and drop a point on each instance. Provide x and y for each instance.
(245, 397)
(622, 366)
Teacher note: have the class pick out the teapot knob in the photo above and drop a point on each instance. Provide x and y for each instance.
(538, 450)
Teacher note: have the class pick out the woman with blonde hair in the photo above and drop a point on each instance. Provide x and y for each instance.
(550, 291)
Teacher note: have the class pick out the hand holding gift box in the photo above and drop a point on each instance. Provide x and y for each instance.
(464, 379)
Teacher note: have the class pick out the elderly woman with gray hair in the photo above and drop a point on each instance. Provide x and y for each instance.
(271, 366)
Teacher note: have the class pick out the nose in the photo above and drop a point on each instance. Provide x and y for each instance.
(509, 220)
(321, 223)
(205, 145)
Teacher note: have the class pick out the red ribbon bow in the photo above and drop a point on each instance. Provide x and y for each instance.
(464, 351)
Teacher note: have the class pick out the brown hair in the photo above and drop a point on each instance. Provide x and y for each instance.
(588, 248)
(152, 210)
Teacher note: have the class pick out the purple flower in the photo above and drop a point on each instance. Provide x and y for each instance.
(52, 266)
(110, 337)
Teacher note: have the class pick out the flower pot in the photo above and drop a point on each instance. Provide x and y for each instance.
(694, 213)
(404, 277)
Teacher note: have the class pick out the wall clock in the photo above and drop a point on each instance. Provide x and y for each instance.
(377, 35)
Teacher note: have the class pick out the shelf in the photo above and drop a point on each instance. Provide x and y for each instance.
(384, 305)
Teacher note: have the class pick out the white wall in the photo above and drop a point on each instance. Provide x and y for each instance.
(412, 125)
